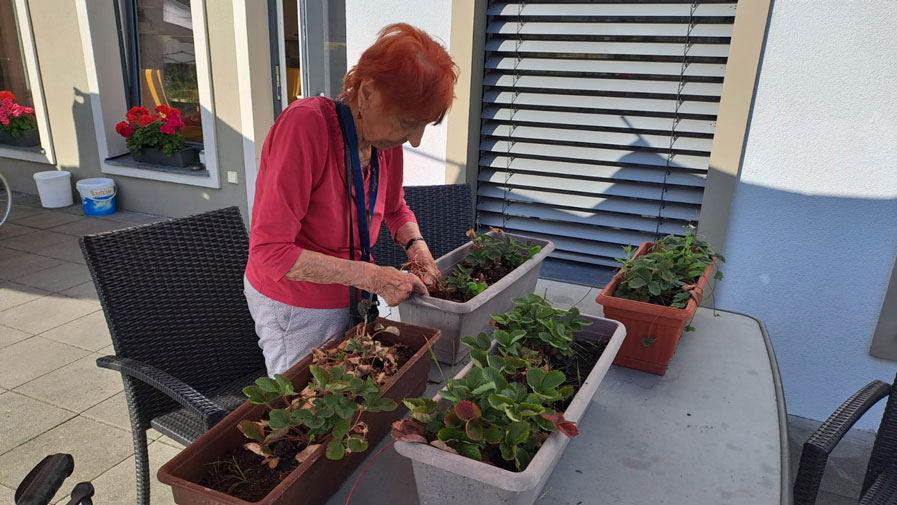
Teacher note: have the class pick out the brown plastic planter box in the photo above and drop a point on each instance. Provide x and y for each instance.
(648, 321)
(182, 158)
(316, 478)
(28, 138)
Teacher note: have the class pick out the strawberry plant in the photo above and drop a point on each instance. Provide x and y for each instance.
(488, 260)
(668, 274)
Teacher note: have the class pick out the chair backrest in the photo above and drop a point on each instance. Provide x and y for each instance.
(172, 293)
(444, 214)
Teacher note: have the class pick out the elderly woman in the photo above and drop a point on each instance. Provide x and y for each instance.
(301, 280)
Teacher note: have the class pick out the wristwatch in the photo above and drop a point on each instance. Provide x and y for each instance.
(415, 239)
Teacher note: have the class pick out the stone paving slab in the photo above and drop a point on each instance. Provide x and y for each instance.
(89, 332)
(35, 240)
(86, 292)
(58, 278)
(44, 220)
(13, 293)
(76, 386)
(117, 486)
(22, 264)
(10, 336)
(96, 447)
(38, 316)
(29, 359)
(23, 418)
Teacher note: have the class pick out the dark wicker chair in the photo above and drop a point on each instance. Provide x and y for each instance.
(880, 484)
(444, 213)
(184, 340)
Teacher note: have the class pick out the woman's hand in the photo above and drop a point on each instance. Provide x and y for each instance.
(393, 285)
(420, 254)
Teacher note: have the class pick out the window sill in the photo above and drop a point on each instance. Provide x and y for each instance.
(36, 154)
(125, 160)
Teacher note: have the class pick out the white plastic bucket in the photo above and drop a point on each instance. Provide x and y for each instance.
(97, 196)
(54, 188)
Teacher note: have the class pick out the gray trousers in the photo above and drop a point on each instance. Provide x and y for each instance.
(286, 333)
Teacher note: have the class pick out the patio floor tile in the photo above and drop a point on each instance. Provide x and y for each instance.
(118, 485)
(85, 292)
(44, 220)
(6, 253)
(76, 386)
(89, 332)
(38, 316)
(113, 410)
(87, 226)
(24, 264)
(68, 251)
(35, 241)
(9, 230)
(58, 278)
(22, 211)
(9, 336)
(14, 408)
(6, 494)
(14, 293)
(29, 359)
(95, 446)
(109, 350)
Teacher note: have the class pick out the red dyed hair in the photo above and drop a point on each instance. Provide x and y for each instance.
(411, 70)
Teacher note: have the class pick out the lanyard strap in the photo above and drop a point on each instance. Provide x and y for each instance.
(364, 215)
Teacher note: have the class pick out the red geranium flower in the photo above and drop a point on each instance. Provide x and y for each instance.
(7, 95)
(146, 119)
(136, 113)
(124, 129)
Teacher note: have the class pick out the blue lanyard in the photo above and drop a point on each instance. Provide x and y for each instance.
(364, 215)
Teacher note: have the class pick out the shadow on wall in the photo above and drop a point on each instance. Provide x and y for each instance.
(815, 270)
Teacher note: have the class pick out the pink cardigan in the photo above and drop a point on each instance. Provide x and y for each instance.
(301, 203)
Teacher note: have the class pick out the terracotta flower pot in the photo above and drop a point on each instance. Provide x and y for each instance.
(652, 331)
(317, 477)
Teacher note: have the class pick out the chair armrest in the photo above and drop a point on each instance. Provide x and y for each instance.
(817, 448)
(174, 388)
(884, 490)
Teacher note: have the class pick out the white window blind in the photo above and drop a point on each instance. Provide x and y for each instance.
(598, 118)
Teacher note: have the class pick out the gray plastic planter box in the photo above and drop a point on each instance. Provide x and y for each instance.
(444, 478)
(457, 320)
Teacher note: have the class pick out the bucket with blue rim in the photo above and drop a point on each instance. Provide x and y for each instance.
(97, 196)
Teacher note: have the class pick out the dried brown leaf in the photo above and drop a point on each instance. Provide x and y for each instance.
(307, 452)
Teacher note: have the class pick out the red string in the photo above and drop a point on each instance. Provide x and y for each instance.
(365, 469)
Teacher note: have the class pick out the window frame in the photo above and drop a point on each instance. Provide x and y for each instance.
(47, 154)
(107, 87)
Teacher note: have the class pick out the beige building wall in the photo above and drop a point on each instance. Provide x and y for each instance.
(62, 69)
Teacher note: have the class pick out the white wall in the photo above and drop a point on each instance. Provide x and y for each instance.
(364, 18)
(813, 231)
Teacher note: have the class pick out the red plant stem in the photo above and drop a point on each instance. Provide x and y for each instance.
(365, 469)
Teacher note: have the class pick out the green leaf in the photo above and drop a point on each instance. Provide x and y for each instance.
(637, 282)
(489, 386)
(357, 444)
(689, 328)
(517, 433)
(522, 459)
(553, 379)
(279, 419)
(654, 288)
(251, 430)
(497, 401)
(335, 450)
(469, 451)
(267, 385)
(286, 387)
(508, 453)
(382, 405)
(474, 429)
(718, 275)
(534, 377)
(322, 377)
(493, 434)
(340, 428)
(449, 434)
